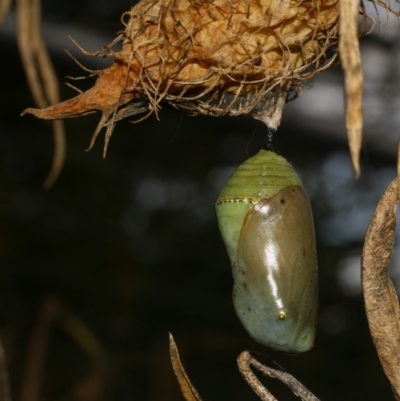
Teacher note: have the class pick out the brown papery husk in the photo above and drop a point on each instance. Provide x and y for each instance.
(221, 57)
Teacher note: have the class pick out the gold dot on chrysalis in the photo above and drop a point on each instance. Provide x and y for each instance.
(281, 315)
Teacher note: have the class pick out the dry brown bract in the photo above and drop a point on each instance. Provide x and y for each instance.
(381, 303)
(187, 388)
(213, 57)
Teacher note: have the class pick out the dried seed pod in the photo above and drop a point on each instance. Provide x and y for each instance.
(214, 57)
(265, 220)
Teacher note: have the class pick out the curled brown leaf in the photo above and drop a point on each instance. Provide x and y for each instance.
(381, 303)
(187, 388)
(349, 50)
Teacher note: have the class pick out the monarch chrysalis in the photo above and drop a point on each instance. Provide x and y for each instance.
(265, 220)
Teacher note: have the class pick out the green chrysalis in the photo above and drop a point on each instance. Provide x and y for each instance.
(265, 220)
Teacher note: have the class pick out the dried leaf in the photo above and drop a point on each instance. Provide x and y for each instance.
(381, 303)
(350, 58)
(187, 388)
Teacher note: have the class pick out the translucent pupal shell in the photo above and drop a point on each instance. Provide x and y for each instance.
(266, 223)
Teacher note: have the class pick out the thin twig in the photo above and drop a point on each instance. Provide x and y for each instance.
(269, 368)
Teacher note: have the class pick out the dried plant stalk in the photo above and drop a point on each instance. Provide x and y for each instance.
(212, 57)
(381, 303)
(264, 364)
(245, 360)
(41, 76)
(269, 368)
(91, 387)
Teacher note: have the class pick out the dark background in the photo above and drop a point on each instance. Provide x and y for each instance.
(130, 244)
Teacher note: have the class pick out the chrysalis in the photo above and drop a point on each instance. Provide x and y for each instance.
(265, 220)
